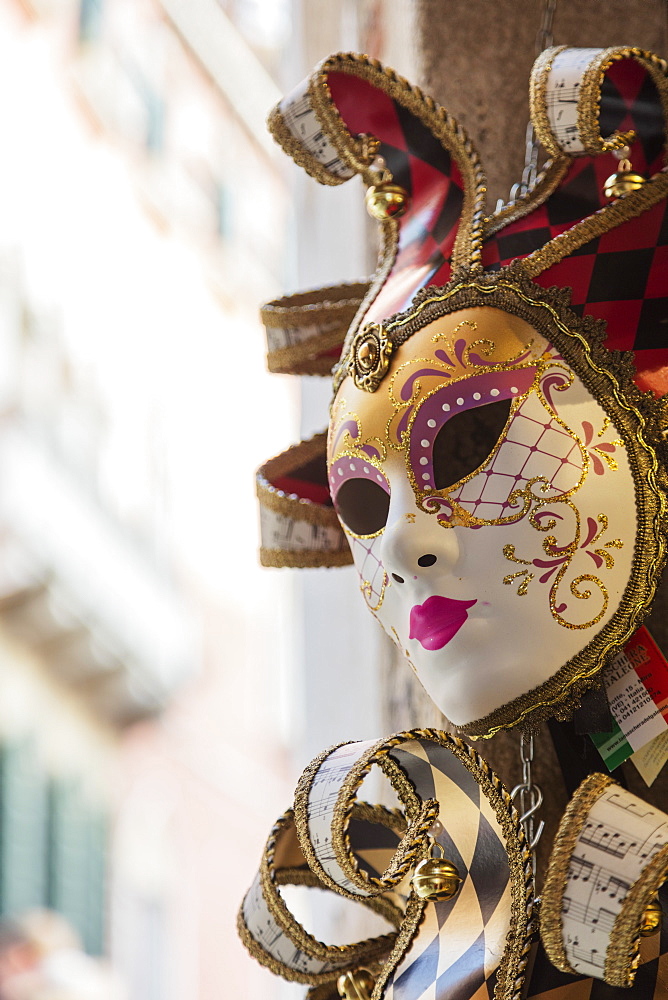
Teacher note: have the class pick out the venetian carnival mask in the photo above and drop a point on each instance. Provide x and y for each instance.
(495, 466)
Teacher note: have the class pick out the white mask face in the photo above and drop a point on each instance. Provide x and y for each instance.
(489, 504)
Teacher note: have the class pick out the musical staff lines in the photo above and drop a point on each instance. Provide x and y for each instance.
(562, 95)
(272, 938)
(618, 839)
(302, 121)
(323, 795)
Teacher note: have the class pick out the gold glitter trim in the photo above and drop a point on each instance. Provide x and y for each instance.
(608, 376)
(511, 971)
(621, 960)
(570, 828)
(329, 310)
(538, 100)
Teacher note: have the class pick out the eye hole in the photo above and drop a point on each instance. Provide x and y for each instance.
(362, 505)
(465, 441)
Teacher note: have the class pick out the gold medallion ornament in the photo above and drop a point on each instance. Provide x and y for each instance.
(370, 354)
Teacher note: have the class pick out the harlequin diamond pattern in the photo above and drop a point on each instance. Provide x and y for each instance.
(459, 943)
(425, 169)
(373, 845)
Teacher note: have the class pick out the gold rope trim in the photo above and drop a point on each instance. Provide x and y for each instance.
(305, 559)
(358, 154)
(589, 100)
(570, 828)
(445, 128)
(538, 100)
(511, 971)
(293, 147)
(621, 960)
(546, 183)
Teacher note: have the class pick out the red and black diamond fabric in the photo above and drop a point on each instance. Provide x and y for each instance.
(424, 168)
(620, 277)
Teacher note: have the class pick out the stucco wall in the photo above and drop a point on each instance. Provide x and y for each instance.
(477, 56)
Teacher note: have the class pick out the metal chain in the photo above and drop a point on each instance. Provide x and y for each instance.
(529, 797)
(544, 40)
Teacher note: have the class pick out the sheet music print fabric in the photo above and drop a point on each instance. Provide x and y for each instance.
(302, 122)
(293, 535)
(563, 91)
(620, 836)
(273, 939)
(323, 793)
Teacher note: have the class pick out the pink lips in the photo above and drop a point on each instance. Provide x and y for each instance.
(435, 622)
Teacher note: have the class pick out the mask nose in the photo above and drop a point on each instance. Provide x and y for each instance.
(413, 542)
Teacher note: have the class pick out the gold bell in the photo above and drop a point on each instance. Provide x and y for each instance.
(436, 879)
(356, 985)
(624, 179)
(650, 922)
(386, 201)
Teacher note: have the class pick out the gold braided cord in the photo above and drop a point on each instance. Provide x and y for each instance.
(627, 207)
(358, 153)
(538, 100)
(567, 836)
(545, 184)
(589, 98)
(338, 957)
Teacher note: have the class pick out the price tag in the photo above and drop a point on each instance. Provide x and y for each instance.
(636, 683)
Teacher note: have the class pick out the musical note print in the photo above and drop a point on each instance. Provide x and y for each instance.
(562, 95)
(288, 533)
(615, 842)
(302, 121)
(323, 795)
(273, 939)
